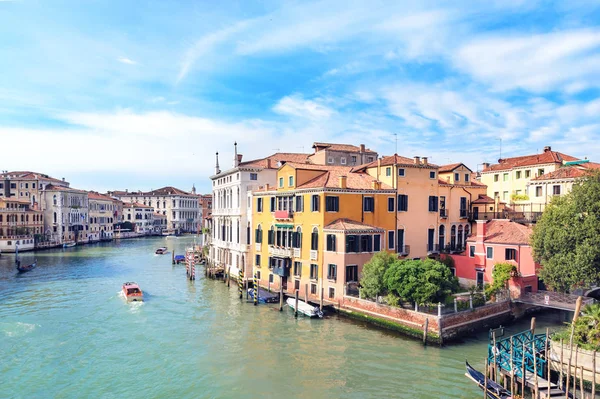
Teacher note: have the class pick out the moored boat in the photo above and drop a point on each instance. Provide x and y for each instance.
(264, 296)
(179, 259)
(69, 244)
(494, 390)
(304, 308)
(161, 251)
(132, 292)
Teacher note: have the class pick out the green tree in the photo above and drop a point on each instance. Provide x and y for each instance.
(371, 280)
(420, 281)
(500, 276)
(566, 239)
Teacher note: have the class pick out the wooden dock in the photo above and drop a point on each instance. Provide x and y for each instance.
(542, 385)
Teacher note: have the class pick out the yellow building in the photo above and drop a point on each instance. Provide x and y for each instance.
(297, 227)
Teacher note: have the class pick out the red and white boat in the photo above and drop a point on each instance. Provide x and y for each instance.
(133, 292)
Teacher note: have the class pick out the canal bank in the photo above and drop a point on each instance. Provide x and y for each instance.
(66, 332)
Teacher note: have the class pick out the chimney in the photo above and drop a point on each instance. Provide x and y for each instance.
(362, 148)
(235, 155)
(547, 148)
(63, 179)
(376, 185)
(486, 165)
(217, 169)
(126, 190)
(378, 167)
(417, 160)
(481, 230)
(268, 163)
(424, 161)
(343, 181)
(239, 159)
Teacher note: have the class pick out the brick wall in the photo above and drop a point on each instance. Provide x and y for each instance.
(488, 316)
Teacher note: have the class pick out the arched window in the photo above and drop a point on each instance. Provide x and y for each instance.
(314, 239)
(459, 241)
(271, 236)
(297, 238)
(442, 237)
(54, 199)
(453, 237)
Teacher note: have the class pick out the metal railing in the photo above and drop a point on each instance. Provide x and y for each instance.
(433, 248)
(404, 250)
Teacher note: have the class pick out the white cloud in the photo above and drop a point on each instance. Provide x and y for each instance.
(299, 107)
(126, 60)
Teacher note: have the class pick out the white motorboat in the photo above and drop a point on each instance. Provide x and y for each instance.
(304, 308)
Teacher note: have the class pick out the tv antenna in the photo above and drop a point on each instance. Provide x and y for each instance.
(396, 139)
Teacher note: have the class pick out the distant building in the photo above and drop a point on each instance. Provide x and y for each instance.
(141, 216)
(180, 207)
(19, 224)
(101, 217)
(341, 154)
(160, 223)
(27, 186)
(65, 214)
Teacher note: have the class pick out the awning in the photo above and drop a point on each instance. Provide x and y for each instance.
(284, 226)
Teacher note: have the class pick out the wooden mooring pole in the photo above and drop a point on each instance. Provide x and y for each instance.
(534, 352)
(575, 317)
(512, 367)
(306, 293)
(485, 379)
(548, 360)
(296, 304)
(425, 327)
(594, 376)
(321, 299)
(229, 276)
(280, 294)
(495, 369)
(523, 372)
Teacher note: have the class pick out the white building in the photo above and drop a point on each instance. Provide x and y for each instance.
(180, 207)
(141, 216)
(65, 214)
(230, 216)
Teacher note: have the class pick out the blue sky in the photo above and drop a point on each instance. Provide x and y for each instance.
(138, 95)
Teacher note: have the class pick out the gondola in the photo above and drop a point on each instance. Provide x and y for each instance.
(494, 390)
(26, 268)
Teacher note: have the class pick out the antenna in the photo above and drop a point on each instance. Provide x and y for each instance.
(396, 137)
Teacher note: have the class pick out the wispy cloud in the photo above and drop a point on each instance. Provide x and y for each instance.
(126, 60)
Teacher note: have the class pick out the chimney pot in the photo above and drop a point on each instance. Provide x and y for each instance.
(239, 158)
(486, 165)
(343, 181)
(424, 161)
(417, 160)
(63, 179)
(547, 148)
(362, 148)
(268, 163)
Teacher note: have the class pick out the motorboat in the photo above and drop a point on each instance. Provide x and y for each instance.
(304, 308)
(161, 251)
(264, 296)
(179, 259)
(69, 244)
(133, 292)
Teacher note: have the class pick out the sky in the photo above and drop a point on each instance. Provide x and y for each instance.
(141, 94)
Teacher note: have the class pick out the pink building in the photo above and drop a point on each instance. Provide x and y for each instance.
(498, 241)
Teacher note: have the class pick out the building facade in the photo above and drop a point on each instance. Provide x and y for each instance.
(101, 217)
(341, 154)
(27, 186)
(66, 213)
(19, 224)
(141, 216)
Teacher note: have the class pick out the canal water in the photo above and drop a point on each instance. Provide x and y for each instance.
(66, 332)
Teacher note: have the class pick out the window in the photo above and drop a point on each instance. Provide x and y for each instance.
(314, 240)
(331, 293)
(299, 203)
(257, 261)
(510, 254)
(258, 236)
(432, 174)
(351, 273)
(369, 204)
(391, 204)
(281, 182)
(518, 192)
(297, 285)
(518, 174)
(391, 240)
(353, 158)
(401, 172)
(352, 244)
(495, 178)
(388, 171)
(290, 181)
(433, 203)
(272, 204)
(490, 252)
(463, 207)
(471, 251)
(538, 191)
(504, 195)
(314, 203)
(314, 272)
(370, 159)
(457, 177)
(505, 177)
(556, 190)
(479, 279)
(377, 243)
(271, 237)
(496, 194)
(332, 204)
(366, 243)
(402, 203)
(343, 160)
(259, 205)
(400, 237)
(297, 269)
(332, 272)
(330, 160)
(331, 247)
(467, 177)
(540, 172)
(527, 174)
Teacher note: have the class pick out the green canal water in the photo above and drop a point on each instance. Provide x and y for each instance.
(66, 332)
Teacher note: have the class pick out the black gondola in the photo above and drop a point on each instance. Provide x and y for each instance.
(494, 390)
(26, 268)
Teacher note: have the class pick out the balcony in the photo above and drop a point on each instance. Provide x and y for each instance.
(404, 251)
(281, 252)
(433, 249)
(284, 215)
(257, 246)
(463, 213)
(443, 213)
(313, 254)
(297, 253)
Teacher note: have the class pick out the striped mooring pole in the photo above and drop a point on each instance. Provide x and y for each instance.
(241, 283)
(255, 289)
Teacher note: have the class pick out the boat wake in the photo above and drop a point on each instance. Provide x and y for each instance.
(17, 329)
(134, 306)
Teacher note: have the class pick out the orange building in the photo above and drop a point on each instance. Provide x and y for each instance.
(19, 223)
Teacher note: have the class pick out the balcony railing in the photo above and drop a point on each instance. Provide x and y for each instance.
(517, 216)
(297, 253)
(257, 246)
(313, 254)
(443, 213)
(453, 249)
(283, 215)
(277, 251)
(433, 249)
(13, 210)
(404, 250)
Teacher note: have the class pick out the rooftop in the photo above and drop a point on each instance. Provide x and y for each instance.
(98, 196)
(271, 161)
(451, 167)
(546, 157)
(569, 172)
(135, 205)
(483, 199)
(339, 147)
(330, 178)
(53, 187)
(349, 225)
(502, 231)
(27, 175)
(396, 160)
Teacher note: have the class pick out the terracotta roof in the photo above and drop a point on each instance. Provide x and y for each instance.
(330, 178)
(52, 187)
(98, 196)
(169, 190)
(349, 225)
(546, 157)
(395, 159)
(451, 167)
(27, 175)
(501, 231)
(470, 183)
(340, 147)
(483, 199)
(569, 172)
(271, 161)
(135, 205)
